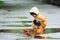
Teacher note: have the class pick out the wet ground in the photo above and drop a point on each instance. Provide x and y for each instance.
(12, 17)
(17, 36)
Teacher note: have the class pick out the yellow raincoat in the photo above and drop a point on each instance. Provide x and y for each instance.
(42, 20)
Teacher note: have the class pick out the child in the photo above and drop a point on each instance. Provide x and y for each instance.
(41, 22)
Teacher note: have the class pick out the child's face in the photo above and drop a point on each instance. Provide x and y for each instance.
(35, 28)
(34, 15)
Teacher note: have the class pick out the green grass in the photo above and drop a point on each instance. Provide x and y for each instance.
(3, 22)
(21, 17)
(24, 21)
(12, 8)
(12, 31)
(47, 30)
(1, 4)
(50, 30)
(18, 25)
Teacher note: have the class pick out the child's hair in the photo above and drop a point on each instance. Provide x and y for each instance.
(32, 13)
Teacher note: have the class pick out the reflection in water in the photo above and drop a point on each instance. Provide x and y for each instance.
(40, 37)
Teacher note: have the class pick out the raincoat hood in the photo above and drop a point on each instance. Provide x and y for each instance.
(35, 10)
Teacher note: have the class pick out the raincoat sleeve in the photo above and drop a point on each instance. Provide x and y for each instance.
(43, 21)
(33, 24)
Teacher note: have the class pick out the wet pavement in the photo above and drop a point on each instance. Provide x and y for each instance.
(15, 36)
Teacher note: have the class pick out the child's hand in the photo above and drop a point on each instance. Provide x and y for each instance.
(35, 29)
